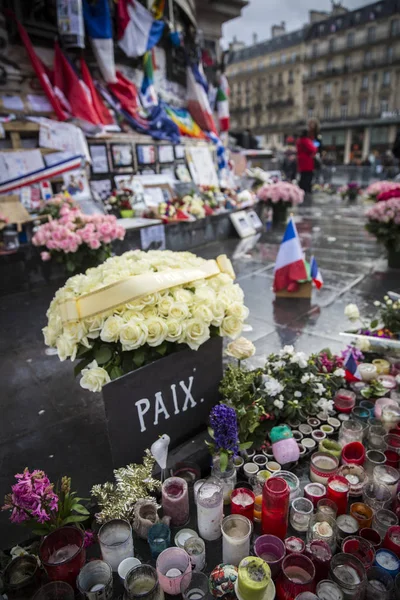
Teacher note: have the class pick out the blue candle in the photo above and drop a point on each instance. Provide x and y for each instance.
(388, 561)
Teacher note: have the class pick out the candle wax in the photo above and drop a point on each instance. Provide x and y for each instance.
(387, 561)
(377, 585)
(195, 594)
(63, 554)
(348, 575)
(97, 587)
(353, 479)
(174, 572)
(323, 529)
(297, 574)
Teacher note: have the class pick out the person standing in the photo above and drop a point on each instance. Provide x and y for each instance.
(306, 151)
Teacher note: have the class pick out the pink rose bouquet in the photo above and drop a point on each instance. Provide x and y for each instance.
(282, 191)
(79, 241)
(384, 223)
(53, 206)
(350, 191)
(374, 190)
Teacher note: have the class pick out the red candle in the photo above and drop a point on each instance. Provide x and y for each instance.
(338, 491)
(275, 507)
(242, 503)
(294, 545)
(314, 492)
(392, 458)
(392, 539)
(345, 400)
(353, 453)
(320, 554)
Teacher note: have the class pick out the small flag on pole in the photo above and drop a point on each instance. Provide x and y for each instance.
(99, 29)
(223, 104)
(316, 274)
(197, 97)
(351, 368)
(138, 31)
(289, 266)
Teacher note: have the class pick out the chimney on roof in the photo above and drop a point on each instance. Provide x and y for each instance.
(277, 30)
(255, 38)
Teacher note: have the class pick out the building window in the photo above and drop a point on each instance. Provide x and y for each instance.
(371, 35)
(283, 59)
(363, 106)
(321, 29)
(364, 82)
(311, 92)
(294, 57)
(389, 54)
(395, 27)
(310, 113)
(384, 106)
(386, 78)
(350, 39)
(271, 80)
(280, 79)
(367, 58)
(347, 62)
(290, 77)
(315, 50)
(327, 111)
(328, 88)
(375, 77)
(312, 70)
(357, 17)
(329, 66)
(345, 85)
(273, 61)
(332, 45)
(343, 111)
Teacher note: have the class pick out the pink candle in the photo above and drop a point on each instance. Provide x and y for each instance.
(175, 500)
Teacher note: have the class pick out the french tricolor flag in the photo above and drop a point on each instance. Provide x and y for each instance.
(289, 266)
(138, 31)
(351, 368)
(316, 274)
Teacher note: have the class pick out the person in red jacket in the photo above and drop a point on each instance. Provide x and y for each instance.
(306, 151)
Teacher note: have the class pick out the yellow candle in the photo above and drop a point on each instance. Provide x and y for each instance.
(382, 366)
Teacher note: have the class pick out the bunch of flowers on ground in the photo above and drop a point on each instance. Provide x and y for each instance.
(78, 240)
(53, 206)
(384, 223)
(120, 200)
(282, 191)
(193, 205)
(350, 191)
(126, 337)
(223, 431)
(326, 188)
(385, 324)
(378, 188)
(34, 502)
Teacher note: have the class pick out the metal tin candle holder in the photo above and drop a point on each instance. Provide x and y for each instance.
(272, 550)
(356, 476)
(353, 453)
(322, 467)
(383, 520)
(361, 549)
(362, 513)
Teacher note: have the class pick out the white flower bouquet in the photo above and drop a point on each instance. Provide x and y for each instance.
(140, 306)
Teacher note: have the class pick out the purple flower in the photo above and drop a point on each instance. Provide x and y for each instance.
(357, 354)
(224, 424)
(32, 497)
(90, 538)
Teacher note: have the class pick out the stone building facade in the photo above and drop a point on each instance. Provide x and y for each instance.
(342, 68)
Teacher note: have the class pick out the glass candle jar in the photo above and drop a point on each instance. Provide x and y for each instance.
(141, 583)
(379, 585)
(329, 590)
(321, 554)
(62, 554)
(172, 565)
(159, 538)
(95, 581)
(351, 431)
(254, 578)
(382, 366)
(22, 577)
(368, 371)
(383, 519)
(344, 400)
(55, 589)
(275, 509)
(392, 459)
(228, 477)
(373, 458)
(337, 490)
(322, 466)
(236, 532)
(293, 482)
(210, 510)
(388, 382)
(322, 527)
(257, 502)
(300, 514)
(361, 549)
(196, 549)
(390, 416)
(195, 586)
(116, 543)
(369, 406)
(349, 574)
(362, 513)
(127, 565)
(387, 475)
(346, 525)
(175, 500)
(331, 447)
(392, 539)
(306, 596)
(353, 453)
(360, 413)
(356, 476)
(242, 503)
(372, 536)
(376, 495)
(294, 544)
(297, 576)
(388, 561)
(375, 437)
(328, 507)
(314, 492)
(272, 550)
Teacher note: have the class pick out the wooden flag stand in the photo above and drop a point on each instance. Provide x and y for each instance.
(304, 291)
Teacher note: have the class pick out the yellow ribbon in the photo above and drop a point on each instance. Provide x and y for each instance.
(132, 288)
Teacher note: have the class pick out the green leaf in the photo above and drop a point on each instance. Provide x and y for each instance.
(116, 372)
(79, 508)
(245, 445)
(40, 530)
(223, 461)
(139, 358)
(374, 323)
(162, 349)
(211, 433)
(82, 350)
(103, 355)
(70, 266)
(74, 519)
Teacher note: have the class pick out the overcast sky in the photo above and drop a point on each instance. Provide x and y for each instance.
(259, 15)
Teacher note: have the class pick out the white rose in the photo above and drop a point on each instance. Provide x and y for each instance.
(179, 311)
(184, 296)
(50, 335)
(66, 348)
(224, 298)
(157, 331)
(363, 344)
(241, 349)
(111, 329)
(204, 313)
(94, 377)
(74, 331)
(133, 335)
(164, 306)
(237, 309)
(176, 330)
(129, 314)
(94, 325)
(218, 314)
(205, 295)
(197, 332)
(351, 312)
(231, 327)
(149, 312)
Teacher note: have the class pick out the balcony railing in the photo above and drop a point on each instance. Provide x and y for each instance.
(342, 45)
(278, 104)
(354, 68)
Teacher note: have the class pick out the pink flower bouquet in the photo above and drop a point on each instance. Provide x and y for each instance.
(374, 190)
(53, 206)
(282, 191)
(79, 241)
(384, 223)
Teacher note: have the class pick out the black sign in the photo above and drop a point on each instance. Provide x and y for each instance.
(173, 395)
(176, 65)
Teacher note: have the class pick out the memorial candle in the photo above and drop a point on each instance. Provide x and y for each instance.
(382, 366)
(210, 509)
(175, 500)
(242, 503)
(254, 578)
(275, 508)
(388, 561)
(321, 555)
(344, 400)
(338, 491)
(236, 532)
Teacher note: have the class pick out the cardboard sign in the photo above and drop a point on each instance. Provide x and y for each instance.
(13, 210)
(173, 395)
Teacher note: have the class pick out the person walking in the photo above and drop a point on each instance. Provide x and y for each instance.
(306, 151)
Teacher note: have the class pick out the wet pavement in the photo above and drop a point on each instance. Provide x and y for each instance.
(50, 423)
